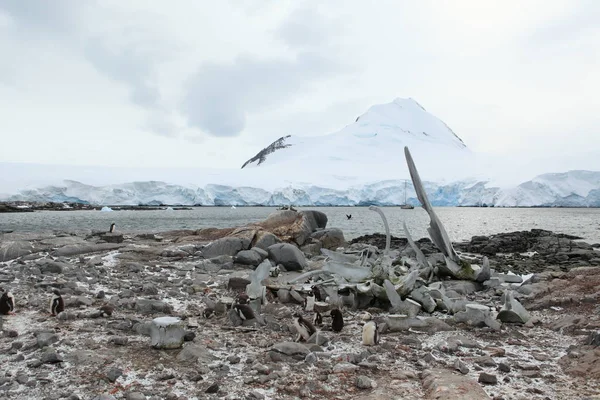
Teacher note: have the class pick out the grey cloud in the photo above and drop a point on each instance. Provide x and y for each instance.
(56, 16)
(220, 96)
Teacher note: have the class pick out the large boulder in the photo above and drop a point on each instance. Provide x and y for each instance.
(331, 238)
(287, 255)
(265, 239)
(248, 257)
(10, 250)
(228, 246)
(316, 219)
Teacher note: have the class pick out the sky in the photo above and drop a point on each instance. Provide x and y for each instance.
(150, 83)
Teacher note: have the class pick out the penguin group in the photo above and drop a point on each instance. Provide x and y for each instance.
(57, 304)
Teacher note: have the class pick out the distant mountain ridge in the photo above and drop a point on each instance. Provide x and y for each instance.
(570, 189)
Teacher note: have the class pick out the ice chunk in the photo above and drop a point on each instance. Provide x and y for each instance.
(166, 333)
(106, 209)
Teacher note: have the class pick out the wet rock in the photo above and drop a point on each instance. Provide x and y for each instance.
(287, 255)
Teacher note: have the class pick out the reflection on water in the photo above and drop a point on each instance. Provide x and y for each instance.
(461, 223)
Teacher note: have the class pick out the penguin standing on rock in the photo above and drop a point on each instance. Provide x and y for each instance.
(7, 304)
(112, 228)
(337, 320)
(304, 327)
(57, 304)
(370, 334)
(309, 302)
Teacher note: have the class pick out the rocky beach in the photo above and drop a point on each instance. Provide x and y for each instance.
(518, 319)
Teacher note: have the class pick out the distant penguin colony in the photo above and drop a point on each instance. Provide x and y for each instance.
(112, 228)
(57, 304)
(7, 303)
(370, 335)
(337, 320)
(304, 327)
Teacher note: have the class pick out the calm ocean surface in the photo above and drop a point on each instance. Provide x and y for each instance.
(461, 223)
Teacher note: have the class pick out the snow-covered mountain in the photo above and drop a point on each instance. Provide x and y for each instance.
(372, 144)
(362, 164)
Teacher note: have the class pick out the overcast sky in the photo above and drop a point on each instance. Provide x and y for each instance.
(209, 83)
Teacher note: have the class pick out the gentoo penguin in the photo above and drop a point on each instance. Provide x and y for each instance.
(244, 311)
(112, 228)
(349, 216)
(317, 293)
(57, 305)
(243, 298)
(337, 320)
(304, 327)
(309, 302)
(370, 335)
(7, 303)
(318, 319)
(107, 309)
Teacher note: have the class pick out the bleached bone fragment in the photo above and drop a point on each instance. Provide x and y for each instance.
(485, 272)
(512, 310)
(166, 333)
(388, 238)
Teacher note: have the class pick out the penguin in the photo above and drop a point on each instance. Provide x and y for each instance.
(107, 309)
(112, 228)
(370, 334)
(304, 327)
(208, 313)
(349, 216)
(317, 293)
(244, 311)
(318, 319)
(7, 304)
(309, 302)
(337, 321)
(57, 304)
(243, 298)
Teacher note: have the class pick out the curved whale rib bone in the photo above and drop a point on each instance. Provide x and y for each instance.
(388, 238)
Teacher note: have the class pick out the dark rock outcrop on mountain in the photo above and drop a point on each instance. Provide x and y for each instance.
(262, 155)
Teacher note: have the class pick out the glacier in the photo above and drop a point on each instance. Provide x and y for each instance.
(359, 165)
(570, 189)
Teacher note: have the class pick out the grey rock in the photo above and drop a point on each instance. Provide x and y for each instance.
(67, 316)
(52, 267)
(397, 323)
(315, 219)
(76, 249)
(287, 255)
(135, 396)
(485, 272)
(105, 397)
(214, 388)
(146, 306)
(265, 240)
(193, 353)
(488, 379)
(45, 339)
(51, 358)
(229, 246)
(311, 358)
(503, 367)
(248, 257)
(290, 348)
(462, 287)
(233, 359)
(331, 238)
(461, 367)
(364, 382)
(119, 340)
(9, 250)
(113, 374)
(112, 237)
